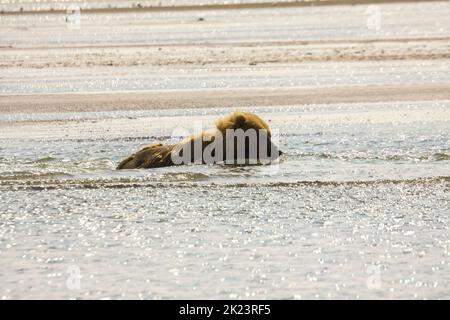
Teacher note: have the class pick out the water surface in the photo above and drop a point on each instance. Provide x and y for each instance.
(357, 207)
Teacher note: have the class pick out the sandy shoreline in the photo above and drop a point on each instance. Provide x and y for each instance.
(233, 98)
(208, 57)
(228, 53)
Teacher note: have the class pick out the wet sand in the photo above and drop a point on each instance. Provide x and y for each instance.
(220, 98)
(223, 56)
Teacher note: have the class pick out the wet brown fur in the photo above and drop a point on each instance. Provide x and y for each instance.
(159, 155)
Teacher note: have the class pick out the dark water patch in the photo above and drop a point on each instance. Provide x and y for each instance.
(439, 156)
(360, 156)
(42, 160)
(184, 176)
(149, 138)
(200, 180)
(29, 175)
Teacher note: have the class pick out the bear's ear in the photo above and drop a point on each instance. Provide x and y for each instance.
(239, 121)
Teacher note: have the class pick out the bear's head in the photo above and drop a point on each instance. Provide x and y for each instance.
(247, 136)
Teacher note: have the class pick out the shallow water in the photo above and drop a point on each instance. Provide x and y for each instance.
(357, 207)
(305, 75)
(399, 20)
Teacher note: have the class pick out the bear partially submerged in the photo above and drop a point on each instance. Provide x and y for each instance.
(239, 138)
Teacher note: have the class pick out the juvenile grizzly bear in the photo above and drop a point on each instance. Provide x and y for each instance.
(239, 138)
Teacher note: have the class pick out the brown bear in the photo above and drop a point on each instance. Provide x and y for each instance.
(239, 138)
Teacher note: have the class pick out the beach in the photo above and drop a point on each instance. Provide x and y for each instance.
(357, 94)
